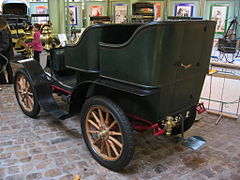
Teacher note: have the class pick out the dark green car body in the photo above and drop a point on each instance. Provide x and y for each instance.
(151, 70)
(123, 77)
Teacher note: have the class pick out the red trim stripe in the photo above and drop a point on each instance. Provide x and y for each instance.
(61, 89)
(139, 118)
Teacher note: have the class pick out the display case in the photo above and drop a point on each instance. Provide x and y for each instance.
(143, 12)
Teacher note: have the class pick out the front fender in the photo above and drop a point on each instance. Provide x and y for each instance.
(42, 88)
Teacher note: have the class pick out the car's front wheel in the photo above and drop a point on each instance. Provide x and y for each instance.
(25, 93)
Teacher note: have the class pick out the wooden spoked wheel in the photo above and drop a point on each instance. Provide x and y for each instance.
(107, 132)
(24, 93)
(104, 133)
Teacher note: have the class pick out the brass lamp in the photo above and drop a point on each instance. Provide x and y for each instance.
(46, 37)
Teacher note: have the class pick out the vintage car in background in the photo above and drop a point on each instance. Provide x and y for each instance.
(17, 7)
(16, 14)
(141, 12)
(21, 27)
(122, 77)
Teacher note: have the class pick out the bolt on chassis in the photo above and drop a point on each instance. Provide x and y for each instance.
(122, 77)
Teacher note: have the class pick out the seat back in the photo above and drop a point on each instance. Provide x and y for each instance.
(155, 52)
(84, 56)
(171, 56)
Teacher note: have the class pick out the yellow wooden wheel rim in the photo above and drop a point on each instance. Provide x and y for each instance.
(104, 133)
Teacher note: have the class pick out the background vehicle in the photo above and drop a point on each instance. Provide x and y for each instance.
(227, 46)
(119, 85)
(142, 12)
(15, 12)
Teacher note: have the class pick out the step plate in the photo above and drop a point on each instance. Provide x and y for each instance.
(194, 142)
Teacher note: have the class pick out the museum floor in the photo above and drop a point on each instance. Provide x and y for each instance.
(46, 148)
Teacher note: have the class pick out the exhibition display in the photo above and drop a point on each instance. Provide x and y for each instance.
(18, 20)
(142, 12)
(119, 85)
(227, 46)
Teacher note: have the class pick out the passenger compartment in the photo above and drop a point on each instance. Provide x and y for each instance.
(84, 56)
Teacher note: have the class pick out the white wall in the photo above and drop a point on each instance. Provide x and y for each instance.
(1, 5)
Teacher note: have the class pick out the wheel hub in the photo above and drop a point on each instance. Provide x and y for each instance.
(104, 134)
(25, 92)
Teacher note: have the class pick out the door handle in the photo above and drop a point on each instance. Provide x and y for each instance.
(186, 66)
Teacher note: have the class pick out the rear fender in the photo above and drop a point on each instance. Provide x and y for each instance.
(78, 97)
(88, 89)
(84, 91)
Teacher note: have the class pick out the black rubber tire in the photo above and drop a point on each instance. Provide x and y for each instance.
(188, 122)
(36, 108)
(125, 127)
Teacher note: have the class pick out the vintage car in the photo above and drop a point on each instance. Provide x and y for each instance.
(122, 77)
(141, 12)
(17, 7)
(15, 12)
(227, 45)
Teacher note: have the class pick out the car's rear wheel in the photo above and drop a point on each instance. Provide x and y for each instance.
(107, 133)
(25, 93)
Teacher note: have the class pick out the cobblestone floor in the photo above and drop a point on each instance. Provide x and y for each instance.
(46, 148)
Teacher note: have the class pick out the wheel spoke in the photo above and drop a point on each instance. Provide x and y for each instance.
(102, 146)
(113, 148)
(20, 91)
(101, 116)
(25, 83)
(107, 119)
(28, 85)
(26, 102)
(96, 140)
(30, 93)
(114, 133)
(20, 88)
(31, 101)
(23, 96)
(29, 105)
(20, 82)
(108, 149)
(93, 132)
(96, 118)
(115, 141)
(94, 124)
(114, 122)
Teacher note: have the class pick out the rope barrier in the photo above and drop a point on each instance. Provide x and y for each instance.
(222, 104)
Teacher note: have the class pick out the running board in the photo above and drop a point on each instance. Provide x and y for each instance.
(43, 89)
